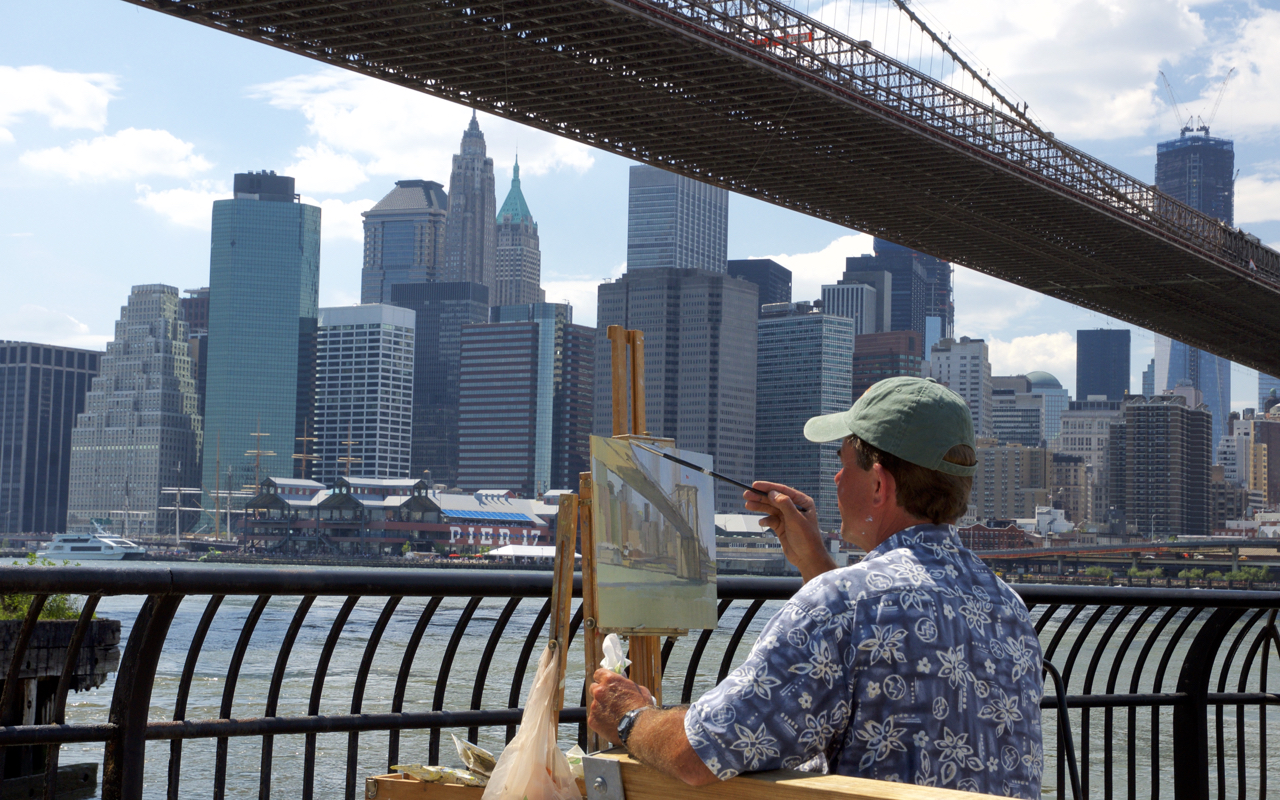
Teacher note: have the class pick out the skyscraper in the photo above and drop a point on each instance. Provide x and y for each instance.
(675, 222)
(364, 392)
(1102, 364)
(519, 264)
(1179, 364)
(1017, 415)
(772, 280)
(1055, 401)
(404, 237)
(804, 368)
(1266, 385)
(1159, 465)
(140, 431)
(470, 231)
(700, 363)
(195, 310)
(1086, 432)
(522, 403)
(42, 389)
(1148, 379)
(1198, 170)
(965, 367)
(920, 288)
(1011, 480)
(441, 310)
(264, 273)
(853, 301)
(877, 356)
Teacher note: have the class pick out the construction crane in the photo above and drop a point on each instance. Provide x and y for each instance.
(1184, 127)
(1204, 126)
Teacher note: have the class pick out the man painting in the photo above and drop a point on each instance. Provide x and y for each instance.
(916, 665)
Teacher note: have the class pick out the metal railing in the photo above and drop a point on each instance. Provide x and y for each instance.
(1165, 688)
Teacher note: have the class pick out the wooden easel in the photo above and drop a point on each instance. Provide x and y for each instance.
(628, 394)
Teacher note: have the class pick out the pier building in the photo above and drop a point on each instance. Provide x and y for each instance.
(367, 514)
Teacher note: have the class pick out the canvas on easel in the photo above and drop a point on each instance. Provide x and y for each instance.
(654, 531)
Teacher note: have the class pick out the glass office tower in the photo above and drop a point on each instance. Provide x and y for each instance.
(42, 389)
(403, 239)
(674, 221)
(1102, 363)
(1199, 170)
(804, 368)
(264, 273)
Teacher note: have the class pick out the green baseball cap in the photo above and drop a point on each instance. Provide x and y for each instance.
(915, 419)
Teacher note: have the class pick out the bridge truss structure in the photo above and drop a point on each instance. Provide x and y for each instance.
(763, 100)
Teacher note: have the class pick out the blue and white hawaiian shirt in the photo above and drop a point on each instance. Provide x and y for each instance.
(916, 665)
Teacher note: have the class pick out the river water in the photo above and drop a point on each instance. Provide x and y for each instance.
(198, 757)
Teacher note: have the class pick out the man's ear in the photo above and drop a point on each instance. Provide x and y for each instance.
(886, 491)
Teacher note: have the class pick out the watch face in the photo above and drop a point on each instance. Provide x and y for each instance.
(628, 722)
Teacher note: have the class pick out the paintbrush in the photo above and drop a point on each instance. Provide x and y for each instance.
(705, 471)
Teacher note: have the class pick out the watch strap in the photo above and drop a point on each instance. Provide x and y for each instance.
(628, 723)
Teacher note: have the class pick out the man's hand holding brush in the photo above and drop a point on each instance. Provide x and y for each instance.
(797, 531)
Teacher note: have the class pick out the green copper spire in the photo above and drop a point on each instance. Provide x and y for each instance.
(515, 204)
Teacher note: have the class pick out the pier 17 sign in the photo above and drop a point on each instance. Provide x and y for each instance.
(655, 538)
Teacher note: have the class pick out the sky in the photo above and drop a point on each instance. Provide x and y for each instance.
(119, 126)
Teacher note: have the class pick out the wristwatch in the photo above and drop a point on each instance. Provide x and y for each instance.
(628, 722)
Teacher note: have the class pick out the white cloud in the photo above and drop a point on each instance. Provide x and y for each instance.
(1087, 67)
(1054, 353)
(32, 323)
(322, 170)
(1249, 104)
(340, 219)
(130, 153)
(65, 99)
(191, 207)
(810, 271)
(390, 131)
(985, 306)
(1258, 198)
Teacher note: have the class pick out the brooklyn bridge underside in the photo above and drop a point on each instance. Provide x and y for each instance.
(747, 96)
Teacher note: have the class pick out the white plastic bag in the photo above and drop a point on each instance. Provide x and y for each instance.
(532, 766)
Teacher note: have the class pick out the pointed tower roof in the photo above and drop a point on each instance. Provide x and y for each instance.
(515, 204)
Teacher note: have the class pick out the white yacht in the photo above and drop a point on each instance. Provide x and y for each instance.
(100, 546)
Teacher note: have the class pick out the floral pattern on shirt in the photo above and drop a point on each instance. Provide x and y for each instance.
(916, 664)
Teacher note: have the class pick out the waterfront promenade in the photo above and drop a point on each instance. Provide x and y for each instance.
(238, 682)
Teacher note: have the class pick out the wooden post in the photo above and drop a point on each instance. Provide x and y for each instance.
(562, 587)
(639, 425)
(590, 598)
(646, 663)
(618, 351)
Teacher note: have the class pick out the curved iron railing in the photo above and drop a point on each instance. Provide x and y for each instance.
(1146, 671)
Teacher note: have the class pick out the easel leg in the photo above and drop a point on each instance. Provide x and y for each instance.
(591, 636)
(646, 663)
(562, 588)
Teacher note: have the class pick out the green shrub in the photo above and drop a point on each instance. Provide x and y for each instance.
(1098, 572)
(1194, 574)
(1249, 574)
(56, 606)
(1214, 576)
(1154, 572)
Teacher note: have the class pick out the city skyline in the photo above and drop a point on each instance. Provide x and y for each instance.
(89, 125)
